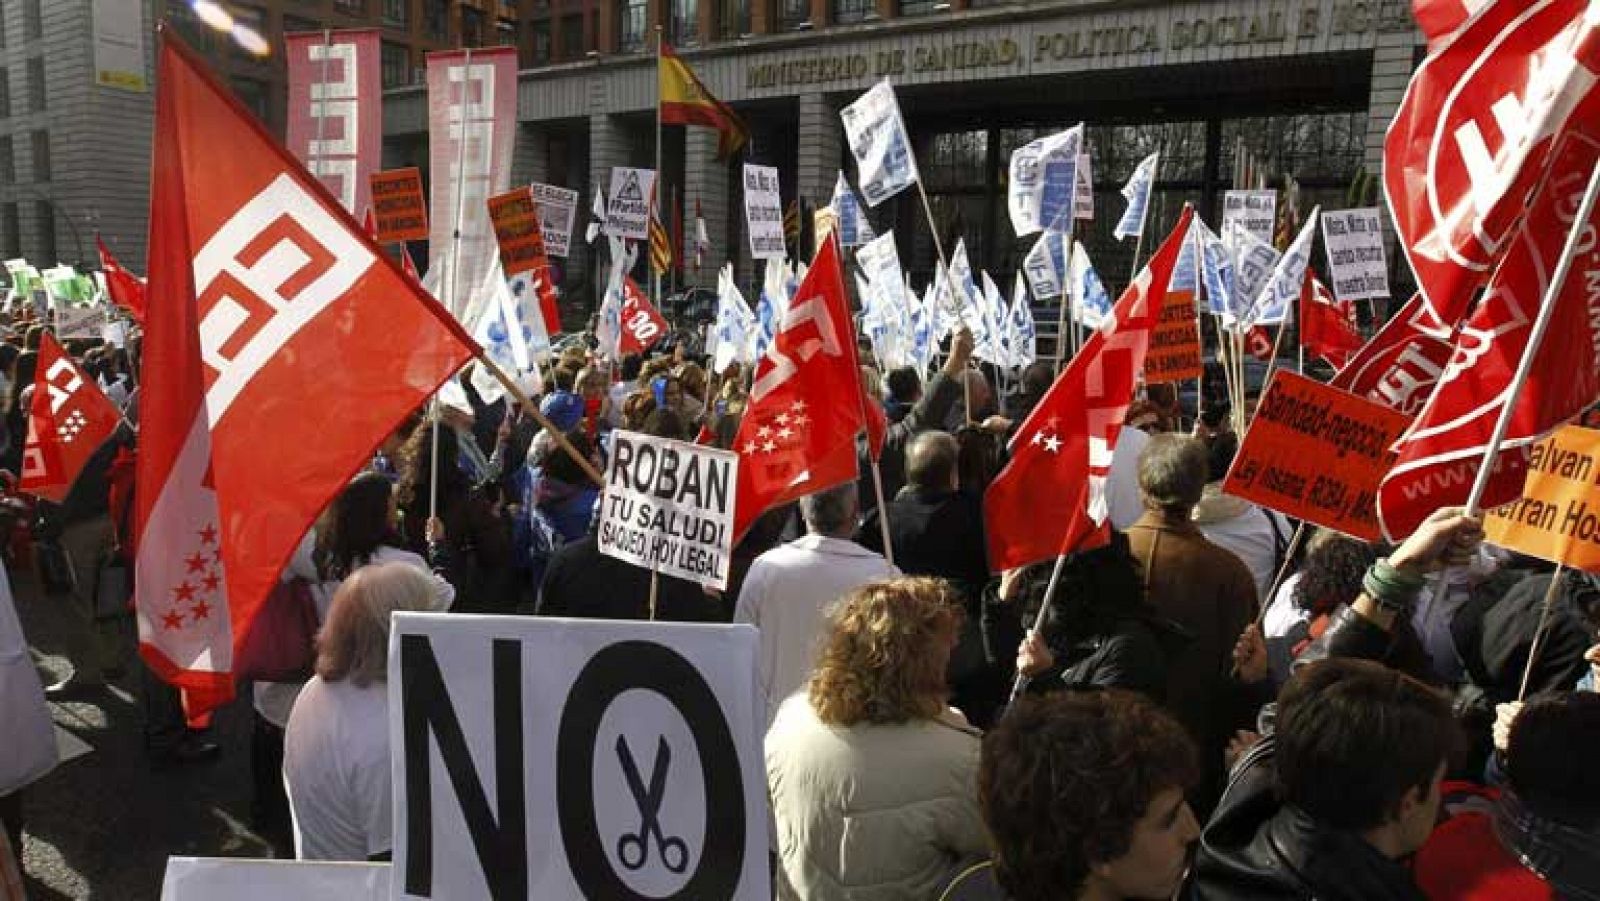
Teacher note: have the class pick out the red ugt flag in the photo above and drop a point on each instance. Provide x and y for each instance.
(1402, 363)
(1472, 139)
(1441, 454)
(124, 287)
(642, 325)
(798, 435)
(280, 348)
(1327, 326)
(71, 417)
(1050, 498)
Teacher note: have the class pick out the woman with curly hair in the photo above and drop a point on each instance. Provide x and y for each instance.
(872, 775)
(1329, 579)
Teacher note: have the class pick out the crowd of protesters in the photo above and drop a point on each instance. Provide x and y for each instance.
(1361, 734)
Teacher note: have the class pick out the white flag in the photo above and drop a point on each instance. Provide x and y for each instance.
(1253, 263)
(1043, 181)
(733, 334)
(1091, 304)
(877, 135)
(854, 229)
(996, 349)
(1275, 303)
(1137, 192)
(597, 216)
(1021, 334)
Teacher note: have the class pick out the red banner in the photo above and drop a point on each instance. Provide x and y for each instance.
(1174, 354)
(472, 99)
(336, 110)
(1402, 363)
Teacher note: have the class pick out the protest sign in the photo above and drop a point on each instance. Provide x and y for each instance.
(1318, 454)
(209, 878)
(628, 211)
(1083, 196)
(552, 758)
(1558, 516)
(398, 207)
(668, 507)
(878, 140)
(558, 210)
(24, 278)
(1356, 267)
(1174, 353)
(763, 212)
(79, 322)
(516, 227)
(1255, 211)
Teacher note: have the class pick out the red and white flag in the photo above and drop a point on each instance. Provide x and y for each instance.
(1472, 139)
(1050, 499)
(280, 348)
(70, 418)
(1439, 19)
(125, 288)
(807, 404)
(642, 325)
(1440, 456)
(1328, 327)
(335, 110)
(1402, 363)
(1258, 343)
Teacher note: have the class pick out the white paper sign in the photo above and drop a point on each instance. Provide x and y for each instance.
(1356, 264)
(79, 322)
(1255, 211)
(763, 212)
(1083, 197)
(558, 208)
(885, 165)
(628, 212)
(668, 506)
(242, 879)
(553, 758)
(119, 57)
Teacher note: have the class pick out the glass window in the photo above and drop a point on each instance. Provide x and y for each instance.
(2, 31)
(923, 7)
(471, 27)
(36, 84)
(438, 20)
(11, 225)
(298, 25)
(630, 25)
(44, 214)
(847, 11)
(572, 45)
(735, 20)
(252, 92)
(685, 29)
(191, 29)
(540, 38)
(5, 92)
(32, 25)
(397, 13)
(956, 160)
(251, 18)
(505, 33)
(351, 7)
(395, 64)
(791, 13)
(41, 156)
(1308, 146)
(8, 161)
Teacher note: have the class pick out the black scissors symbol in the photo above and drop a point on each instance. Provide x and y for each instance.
(674, 853)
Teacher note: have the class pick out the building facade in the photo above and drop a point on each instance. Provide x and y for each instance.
(1306, 87)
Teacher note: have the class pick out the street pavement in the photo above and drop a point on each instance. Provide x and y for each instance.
(102, 826)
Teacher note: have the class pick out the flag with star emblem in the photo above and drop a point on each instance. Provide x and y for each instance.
(1050, 498)
(70, 418)
(807, 405)
(263, 292)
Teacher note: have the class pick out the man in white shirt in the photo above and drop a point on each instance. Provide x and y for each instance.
(791, 586)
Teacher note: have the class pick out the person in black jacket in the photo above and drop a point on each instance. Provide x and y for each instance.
(583, 583)
(929, 412)
(936, 530)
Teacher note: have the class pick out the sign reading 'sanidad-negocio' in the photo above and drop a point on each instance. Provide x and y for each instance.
(668, 506)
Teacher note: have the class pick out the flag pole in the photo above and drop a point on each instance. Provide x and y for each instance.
(1066, 300)
(938, 246)
(455, 278)
(655, 275)
(1283, 572)
(1021, 683)
(532, 409)
(1144, 214)
(1539, 632)
(655, 585)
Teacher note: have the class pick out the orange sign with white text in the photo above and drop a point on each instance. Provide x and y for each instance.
(1318, 454)
(1558, 516)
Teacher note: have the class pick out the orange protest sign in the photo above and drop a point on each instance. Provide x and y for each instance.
(398, 207)
(1317, 453)
(516, 227)
(1558, 516)
(1174, 353)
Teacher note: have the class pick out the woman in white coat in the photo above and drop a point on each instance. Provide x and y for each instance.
(30, 742)
(872, 774)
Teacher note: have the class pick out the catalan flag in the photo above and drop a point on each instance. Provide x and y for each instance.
(660, 246)
(791, 223)
(685, 101)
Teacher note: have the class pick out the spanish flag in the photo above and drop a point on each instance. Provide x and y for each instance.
(685, 101)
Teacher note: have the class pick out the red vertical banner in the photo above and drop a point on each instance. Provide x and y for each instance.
(472, 123)
(336, 110)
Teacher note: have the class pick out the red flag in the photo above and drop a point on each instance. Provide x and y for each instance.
(408, 265)
(1472, 138)
(369, 222)
(124, 287)
(279, 350)
(1402, 363)
(70, 418)
(798, 435)
(1050, 498)
(1440, 18)
(642, 325)
(1441, 455)
(1258, 343)
(1328, 327)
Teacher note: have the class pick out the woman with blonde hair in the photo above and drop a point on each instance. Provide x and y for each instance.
(336, 749)
(872, 775)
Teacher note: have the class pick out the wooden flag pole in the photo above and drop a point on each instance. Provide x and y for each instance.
(532, 408)
(944, 262)
(1539, 632)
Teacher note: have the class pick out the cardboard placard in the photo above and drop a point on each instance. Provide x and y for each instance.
(516, 226)
(555, 758)
(1356, 265)
(1318, 454)
(633, 193)
(763, 212)
(558, 209)
(398, 206)
(79, 322)
(1558, 515)
(668, 506)
(1174, 353)
(1255, 211)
